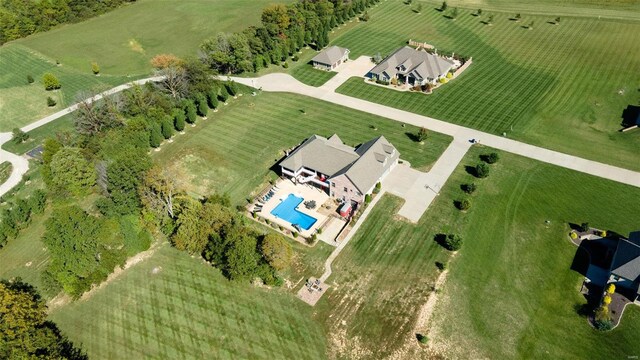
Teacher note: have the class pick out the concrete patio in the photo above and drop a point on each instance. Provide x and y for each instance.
(282, 189)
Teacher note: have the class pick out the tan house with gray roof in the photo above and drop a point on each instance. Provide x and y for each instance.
(346, 173)
(330, 58)
(412, 66)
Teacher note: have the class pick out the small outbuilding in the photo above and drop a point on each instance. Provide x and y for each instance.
(329, 58)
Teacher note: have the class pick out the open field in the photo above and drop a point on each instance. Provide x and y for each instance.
(121, 41)
(618, 9)
(187, 309)
(512, 279)
(141, 30)
(232, 151)
(381, 280)
(22, 103)
(527, 83)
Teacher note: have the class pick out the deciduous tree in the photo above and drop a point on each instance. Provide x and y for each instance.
(277, 251)
(71, 172)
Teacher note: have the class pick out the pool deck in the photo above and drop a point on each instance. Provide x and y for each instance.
(307, 192)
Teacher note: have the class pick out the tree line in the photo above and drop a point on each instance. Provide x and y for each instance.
(20, 18)
(107, 156)
(285, 30)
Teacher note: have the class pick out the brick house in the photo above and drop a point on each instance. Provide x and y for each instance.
(344, 172)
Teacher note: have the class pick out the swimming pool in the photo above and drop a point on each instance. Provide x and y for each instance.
(287, 211)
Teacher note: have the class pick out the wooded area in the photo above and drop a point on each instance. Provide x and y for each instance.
(20, 18)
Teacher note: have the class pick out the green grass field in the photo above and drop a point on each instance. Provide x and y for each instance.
(121, 41)
(232, 151)
(22, 103)
(310, 76)
(37, 136)
(527, 83)
(381, 280)
(188, 310)
(512, 279)
(5, 171)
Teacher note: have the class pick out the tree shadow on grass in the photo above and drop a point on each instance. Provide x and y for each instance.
(440, 239)
(630, 116)
(471, 170)
(412, 136)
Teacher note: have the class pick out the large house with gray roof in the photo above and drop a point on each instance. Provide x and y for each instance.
(412, 66)
(345, 173)
(625, 268)
(329, 58)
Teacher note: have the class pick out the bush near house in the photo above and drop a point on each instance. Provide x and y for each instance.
(50, 82)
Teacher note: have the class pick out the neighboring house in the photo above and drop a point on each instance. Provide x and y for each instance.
(625, 268)
(345, 173)
(411, 66)
(329, 58)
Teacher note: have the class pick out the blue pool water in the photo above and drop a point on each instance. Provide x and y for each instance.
(286, 210)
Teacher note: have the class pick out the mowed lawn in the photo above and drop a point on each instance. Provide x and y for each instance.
(529, 84)
(235, 149)
(171, 306)
(511, 292)
(22, 103)
(122, 42)
(381, 280)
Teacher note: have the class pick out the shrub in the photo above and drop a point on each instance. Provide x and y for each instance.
(254, 215)
(442, 80)
(453, 242)
(179, 119)
(382, 82)
(422, 134)
(212, 97)
(295, 58)
(224, 94)
(295, 234)
(611, 288)
(422, 339)
(482, 170)
(285, 65)
(201, 104)
(377, 188)
(190, 112)
(232, 87)
(573, 235)
(603, 325)
(606, 300)
(469, 188)
(603, 233)
(30, 79)
(491, 158)
(449, 75)
(463, 204)
(441, 266)
(319, 230)
(50, 82)
(19, 136)
(367, 198)
(50, 101)
(95, 68)
(584, 227)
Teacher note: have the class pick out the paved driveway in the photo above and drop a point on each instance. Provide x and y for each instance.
(419, 189)
(358, 68)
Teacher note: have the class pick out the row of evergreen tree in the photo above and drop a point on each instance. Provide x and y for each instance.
(285, 30)
(20, 18)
